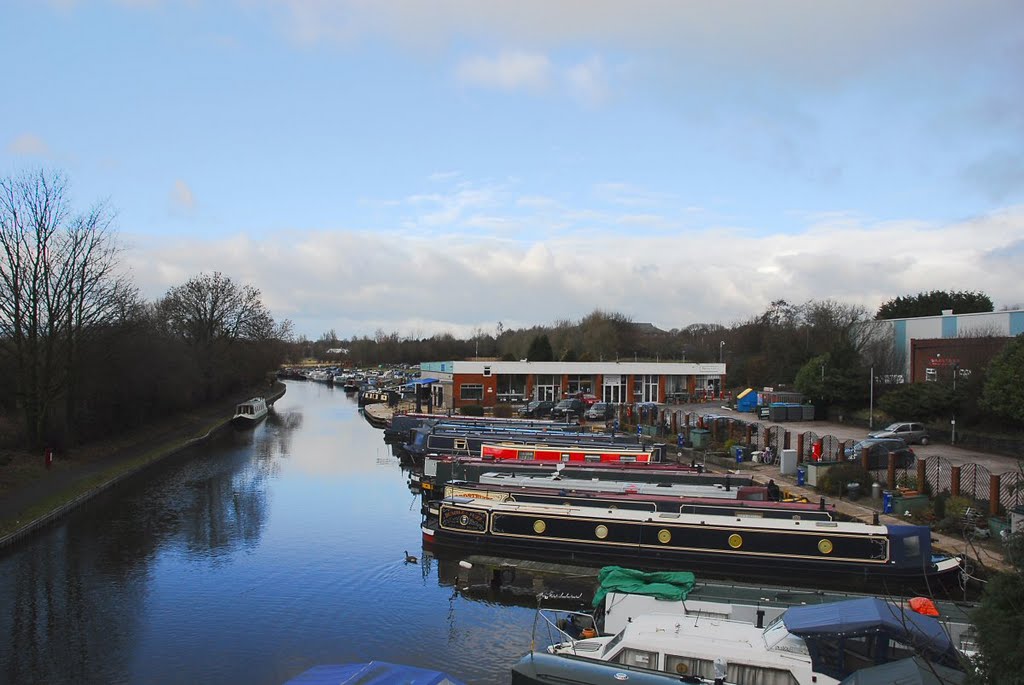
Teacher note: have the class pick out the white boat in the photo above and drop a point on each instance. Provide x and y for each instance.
(819, 644)
(250, 412)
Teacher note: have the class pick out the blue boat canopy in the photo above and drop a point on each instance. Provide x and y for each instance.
(422, 381)
(372, 673)
(867, 616)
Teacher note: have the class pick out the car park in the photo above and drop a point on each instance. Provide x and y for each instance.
(569, 409)
(537, 409)
(600, 411)
(879, 450)
(910, 432)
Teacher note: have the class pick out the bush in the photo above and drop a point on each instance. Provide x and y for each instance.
(956, 507)
(503, 411)
(834, 481)
(471, 410)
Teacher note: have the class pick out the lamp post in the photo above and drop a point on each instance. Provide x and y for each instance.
(952, 424)
(871, 401)
(721, 352)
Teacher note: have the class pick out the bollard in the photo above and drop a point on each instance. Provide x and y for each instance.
(48, 457)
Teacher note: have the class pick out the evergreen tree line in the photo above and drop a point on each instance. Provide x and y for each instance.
(84, 355)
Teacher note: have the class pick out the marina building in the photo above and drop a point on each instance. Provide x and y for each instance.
(490, 383)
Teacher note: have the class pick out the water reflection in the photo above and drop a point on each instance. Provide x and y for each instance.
(249, 559)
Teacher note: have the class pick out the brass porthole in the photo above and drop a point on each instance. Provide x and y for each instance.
(735, 540)
(601, 532)
(539, 526)
(682, 668)
(825, 546)
(664, 536)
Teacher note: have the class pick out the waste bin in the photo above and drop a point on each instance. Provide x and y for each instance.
(853, 490)
(801, 475)
(701, 438)
(886, 502)
(739, 454)
(876, 490)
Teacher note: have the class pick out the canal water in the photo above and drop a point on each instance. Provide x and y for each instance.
(250, 558)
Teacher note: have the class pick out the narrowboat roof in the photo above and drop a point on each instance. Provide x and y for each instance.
(628, 515)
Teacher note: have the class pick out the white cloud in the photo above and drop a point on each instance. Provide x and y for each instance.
(588, 81)
(508, 71)
(182, 197)
(29, 145)
(357, 281)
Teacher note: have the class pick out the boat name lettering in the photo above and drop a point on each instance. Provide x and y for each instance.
(559, 595)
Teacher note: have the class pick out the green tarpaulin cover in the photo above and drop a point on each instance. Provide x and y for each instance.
(662, 585)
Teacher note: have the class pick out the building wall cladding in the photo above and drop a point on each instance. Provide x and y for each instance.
(943, 326)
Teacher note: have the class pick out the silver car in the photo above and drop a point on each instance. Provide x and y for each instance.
(910, 432)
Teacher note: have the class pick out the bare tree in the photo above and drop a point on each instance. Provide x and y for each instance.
(58, 281)
(212, 308)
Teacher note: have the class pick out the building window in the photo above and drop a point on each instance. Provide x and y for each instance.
(580, 384)
(511, 388)
(645, 388)
(471, 392)
(931, 374)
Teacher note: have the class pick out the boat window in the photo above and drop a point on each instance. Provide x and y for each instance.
(592, 457)
(613, 643)
(759, 675)
(629, 458)
(912, 547)
(637, 657)
(525, 455)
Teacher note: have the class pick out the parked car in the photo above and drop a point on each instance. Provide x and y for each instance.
(600, 411)
(879, 450)
(537, 409)
(910, 432)
(569, 409)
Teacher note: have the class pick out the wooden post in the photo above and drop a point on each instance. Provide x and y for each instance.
(767, 435)
(750, 434)
(954, 481)
(892, 470)
(993, 494)
(865, 459)
(800, 448)
(922, 479)
(785, 441)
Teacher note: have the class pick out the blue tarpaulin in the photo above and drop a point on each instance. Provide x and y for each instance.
(373, 673)
(422, 381)
(867, 616)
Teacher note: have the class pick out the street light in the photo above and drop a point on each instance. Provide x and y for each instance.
(721, 352)
(952, 424)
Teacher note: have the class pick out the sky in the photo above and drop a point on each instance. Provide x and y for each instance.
(454, 166)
